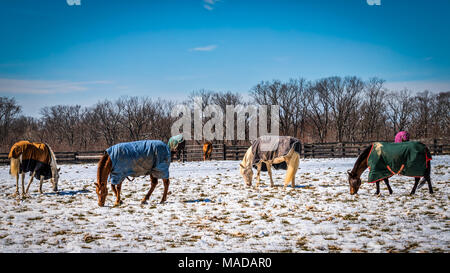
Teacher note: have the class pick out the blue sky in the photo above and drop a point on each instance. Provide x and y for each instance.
(53, 53)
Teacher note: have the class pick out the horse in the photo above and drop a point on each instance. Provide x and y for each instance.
(414, 155)
(145, 157)
(207, 150)
(36, 158)
(177, 145)
(271, 151)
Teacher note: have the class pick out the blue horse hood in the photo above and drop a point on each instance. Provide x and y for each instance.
(145, 157)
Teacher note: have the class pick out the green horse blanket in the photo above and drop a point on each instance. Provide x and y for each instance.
(406, 158)
(175, 141)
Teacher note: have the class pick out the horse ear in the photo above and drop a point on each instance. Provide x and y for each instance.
(96, 184)
(59, 169)
(242, 166)
(349, 173)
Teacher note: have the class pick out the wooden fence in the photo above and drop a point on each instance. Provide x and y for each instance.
(236, 152)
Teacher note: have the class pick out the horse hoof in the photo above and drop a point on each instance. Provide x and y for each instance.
(25, 196)
(143, 202)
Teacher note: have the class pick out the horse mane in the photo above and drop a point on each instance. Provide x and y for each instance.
(53, 164)
(363, 156)
(102, 164)
(248, 158)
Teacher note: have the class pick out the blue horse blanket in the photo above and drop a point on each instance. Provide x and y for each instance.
(145, 157)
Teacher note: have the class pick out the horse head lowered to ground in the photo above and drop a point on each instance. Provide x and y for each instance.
(385, 159)
(145, 157)
(280, 152)
(36, 158)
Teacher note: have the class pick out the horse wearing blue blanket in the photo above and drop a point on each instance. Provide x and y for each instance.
(132, 159)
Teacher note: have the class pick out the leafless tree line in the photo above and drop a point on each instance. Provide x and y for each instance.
(77, 128)
(348, 109)
(333, 109)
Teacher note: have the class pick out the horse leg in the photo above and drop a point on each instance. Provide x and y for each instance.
(258, 174)
(29, 183)
(292, 167)
(166, 189)
(114, 189)
(17, 186)
(269, 170)
(378, 188)
(117, 193)
(430, 188)
(415, 186)
(428, 178)
(152, 188)
(41, 181)
(386, 181)
(23, 183)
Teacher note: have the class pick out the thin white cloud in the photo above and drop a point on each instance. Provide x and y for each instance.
(208, 7)
(209, 4)
(204, 48)
(20, 86)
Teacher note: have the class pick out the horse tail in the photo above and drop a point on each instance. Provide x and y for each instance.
(104, 168)
(14, 167)
(428, 159)
(15, 155)
(292, 167)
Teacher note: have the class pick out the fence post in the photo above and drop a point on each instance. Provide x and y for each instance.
(343, 149)
(224, 151)
(435, 146)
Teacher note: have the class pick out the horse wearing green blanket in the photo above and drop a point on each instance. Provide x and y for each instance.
(385, 159)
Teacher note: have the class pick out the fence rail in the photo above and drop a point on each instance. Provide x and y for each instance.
(194, 152)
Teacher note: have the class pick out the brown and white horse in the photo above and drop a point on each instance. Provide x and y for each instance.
(207, 150)
(292, 160)
(38, 159)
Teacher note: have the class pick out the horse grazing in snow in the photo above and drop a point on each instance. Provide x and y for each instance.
(145, 157)
(177, 145)
(36, 158)
(207, 150)
(280, 152)
(385, 159)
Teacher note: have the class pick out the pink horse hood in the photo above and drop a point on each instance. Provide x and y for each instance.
(402, 136)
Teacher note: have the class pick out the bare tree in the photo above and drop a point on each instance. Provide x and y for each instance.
(422, 114)
(344, 98)
(137, 113)
(63, 122)
(372, 117)
(399, 109)
(319, 108)
(9, 110)
(106, 116)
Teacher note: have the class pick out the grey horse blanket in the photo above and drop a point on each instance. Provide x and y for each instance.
(145, 157)
(267, 148)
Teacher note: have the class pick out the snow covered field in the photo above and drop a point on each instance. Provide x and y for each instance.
(210, 210)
